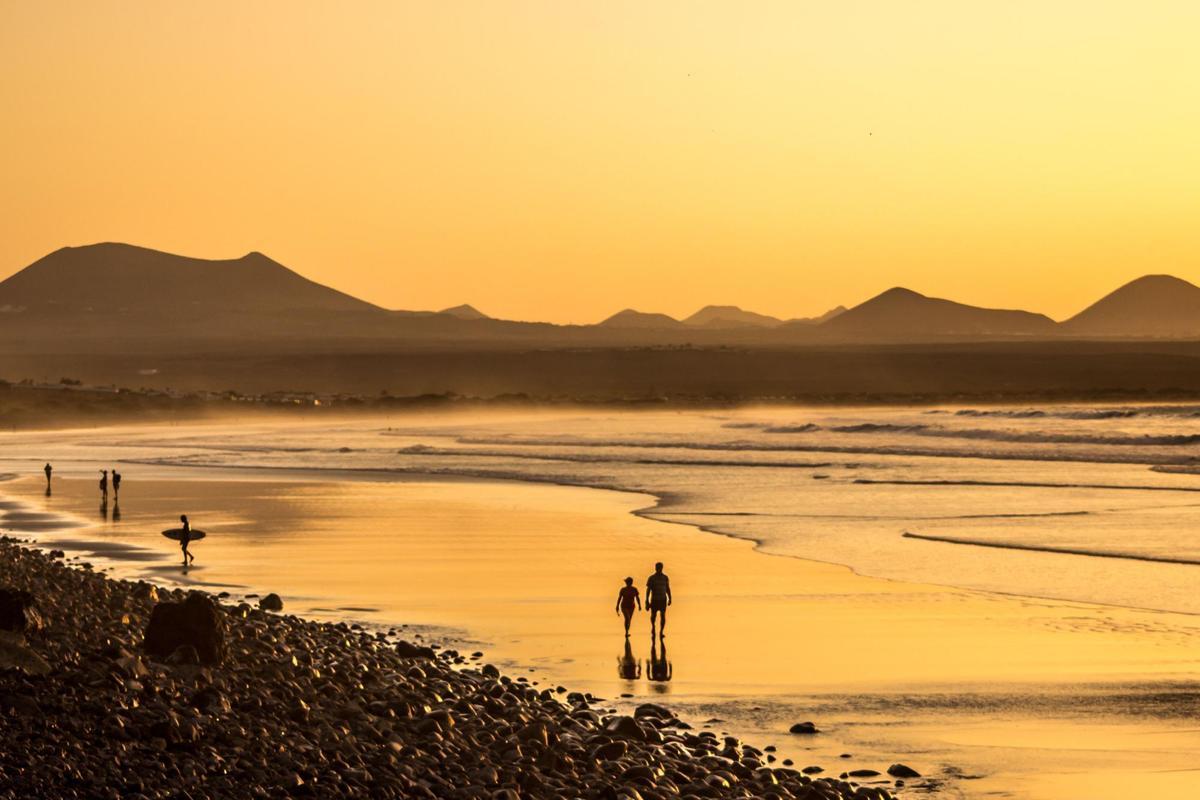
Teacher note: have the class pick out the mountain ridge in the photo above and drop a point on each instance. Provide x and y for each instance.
(1156, 305)
(111, 290)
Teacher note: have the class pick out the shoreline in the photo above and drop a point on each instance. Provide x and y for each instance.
(910, 714)
(400, 720)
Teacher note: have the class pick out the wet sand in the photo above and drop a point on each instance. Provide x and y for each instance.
(1031, 695)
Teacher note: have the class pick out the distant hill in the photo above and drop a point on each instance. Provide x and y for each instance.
(1152, 306)
(465, 312)
(116, 279)
(148, 298)
(903, 315)
(630, 319)
(828, 315)
(730, 317)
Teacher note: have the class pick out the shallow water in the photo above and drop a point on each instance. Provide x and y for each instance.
(1072, 501)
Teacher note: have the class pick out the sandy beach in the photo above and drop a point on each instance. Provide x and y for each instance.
(982, 693)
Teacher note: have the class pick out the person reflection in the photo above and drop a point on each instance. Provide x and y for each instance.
(116, 515)
(629, 667)
(104, 508)
(659, 668)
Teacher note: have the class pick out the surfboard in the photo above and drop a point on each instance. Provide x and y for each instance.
(177, 534)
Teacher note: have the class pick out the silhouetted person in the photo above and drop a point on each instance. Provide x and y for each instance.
(185, 538)
(659, 670)
(658, 597)
(48, 470)
(116, 485)
(104, 485)
(629, 667)
(626, 598)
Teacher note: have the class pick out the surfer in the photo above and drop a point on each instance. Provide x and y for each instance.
(184, 538)
(658, 597)
(116, 484)
(104, 485)
(48, 470)
(626, 598)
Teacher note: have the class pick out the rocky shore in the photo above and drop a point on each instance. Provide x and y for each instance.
(119, 689)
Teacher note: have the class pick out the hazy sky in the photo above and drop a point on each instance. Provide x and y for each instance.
(562, 160)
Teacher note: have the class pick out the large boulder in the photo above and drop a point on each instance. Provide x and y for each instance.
(197, 622)
(902, 771)
(17, 612)
(271, 602)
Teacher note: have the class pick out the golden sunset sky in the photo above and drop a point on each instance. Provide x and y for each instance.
(563, 160)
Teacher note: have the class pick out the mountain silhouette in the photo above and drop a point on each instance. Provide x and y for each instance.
(112, 296)
(631, 319)
(116, 279)
(465, 311)
(828, 315)
(730, 317)
(904, 315)
(1151, 306)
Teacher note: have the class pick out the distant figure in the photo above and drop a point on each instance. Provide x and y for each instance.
(626, 598)
(659, 669)
(184, 539)
(658, 597)
(48, 470)
(104, 485)
(116, 484)
(629, 667)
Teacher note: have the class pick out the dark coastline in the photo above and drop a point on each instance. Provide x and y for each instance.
(123, 385)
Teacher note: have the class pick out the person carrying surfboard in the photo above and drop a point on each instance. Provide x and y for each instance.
(184, 538)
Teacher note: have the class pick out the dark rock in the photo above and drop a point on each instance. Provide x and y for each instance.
(17, 612)
(863, 773)
(610, 751)
(804, 728)
(197, 622)
(626, 728)
(902, 771)
(271, 602)
(16, 654)
(654, 711)
(407, 650)
(184, 655)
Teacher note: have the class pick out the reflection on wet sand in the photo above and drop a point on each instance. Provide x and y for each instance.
(658, 668)
(629, 667)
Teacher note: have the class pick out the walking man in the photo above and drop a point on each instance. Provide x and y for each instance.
(658, 597)
(103, 486)
(116, 485)
(48, 470)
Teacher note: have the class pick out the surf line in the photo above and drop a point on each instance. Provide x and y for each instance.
(1027, 485)
(1062, 551)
